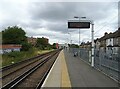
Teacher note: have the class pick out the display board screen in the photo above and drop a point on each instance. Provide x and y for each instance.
(78, 24)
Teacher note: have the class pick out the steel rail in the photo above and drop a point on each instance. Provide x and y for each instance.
(23, 66)
(23, 61)
(17, 80)
(45, 75)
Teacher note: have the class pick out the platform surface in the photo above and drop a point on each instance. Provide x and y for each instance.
(83, 75)
(69, 71)
(58, 76)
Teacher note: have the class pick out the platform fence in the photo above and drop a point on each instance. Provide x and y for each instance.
(107, 63)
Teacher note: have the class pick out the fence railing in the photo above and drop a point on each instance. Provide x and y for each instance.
(110, 65)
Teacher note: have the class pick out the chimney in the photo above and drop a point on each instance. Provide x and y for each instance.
(105, 33)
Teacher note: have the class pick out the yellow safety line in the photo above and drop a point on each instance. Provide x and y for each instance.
(65, 76)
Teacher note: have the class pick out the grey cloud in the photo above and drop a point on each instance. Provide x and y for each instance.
(32, 24)
(7, 23)
(66, 10)
(52, 11)
(54, 16)
(57, 14)
(59, 27)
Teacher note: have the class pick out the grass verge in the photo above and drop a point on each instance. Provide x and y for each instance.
(14, 57)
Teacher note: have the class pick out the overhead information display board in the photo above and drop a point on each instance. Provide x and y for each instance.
(78, 25)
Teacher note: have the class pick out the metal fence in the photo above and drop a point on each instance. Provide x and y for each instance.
(107, 63)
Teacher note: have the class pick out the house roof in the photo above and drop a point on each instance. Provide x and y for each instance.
(117, 33)
(110, 35)
(98, 39)
(10, 46)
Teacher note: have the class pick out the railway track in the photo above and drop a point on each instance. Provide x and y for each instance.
(7, 69)
(31, 74)
(16, 70)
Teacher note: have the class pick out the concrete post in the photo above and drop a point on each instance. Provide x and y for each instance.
(92, 31)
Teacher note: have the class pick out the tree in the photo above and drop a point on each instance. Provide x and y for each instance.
(26, 46)
(42, 43)
(14, 35)
(74, 46)
(54, 46)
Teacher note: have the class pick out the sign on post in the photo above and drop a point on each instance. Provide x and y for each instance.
(78, 25)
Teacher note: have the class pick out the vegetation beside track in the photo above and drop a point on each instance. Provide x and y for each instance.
(14, 35)
(15, 57)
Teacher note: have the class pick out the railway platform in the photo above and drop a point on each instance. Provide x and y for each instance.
(70, 71)
(58, 75)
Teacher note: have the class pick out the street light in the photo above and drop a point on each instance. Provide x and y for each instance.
(79, 17)
(70, 37)
(79, 29)
(92, 39)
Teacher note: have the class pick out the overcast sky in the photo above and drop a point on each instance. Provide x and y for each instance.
(49, 19)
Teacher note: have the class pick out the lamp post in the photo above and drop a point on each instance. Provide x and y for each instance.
(70, 41)
(79, 29)
(92, 33)
(70, 37)
(92, 39)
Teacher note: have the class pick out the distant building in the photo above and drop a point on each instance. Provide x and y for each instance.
(65, 46)
(0, 37)
(109, 43)
(9, 48)
(32, 40)
(57, 45)
(86, 45)
(46, 40)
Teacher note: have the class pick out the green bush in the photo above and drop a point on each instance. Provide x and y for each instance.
(26, 47)
(13, 54)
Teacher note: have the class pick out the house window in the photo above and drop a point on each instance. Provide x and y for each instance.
(110, 39)
(116, 40)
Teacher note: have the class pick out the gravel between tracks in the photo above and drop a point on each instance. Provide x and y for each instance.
(20, 69)
(33, 80)
(15, 74)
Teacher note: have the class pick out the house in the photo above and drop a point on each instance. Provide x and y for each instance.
(102, 41)
(113, 42)
(116, 41)
(109, 39)
(109, 43)
(88, 45)
(7, 48)
(82, 45)
(97, 44)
